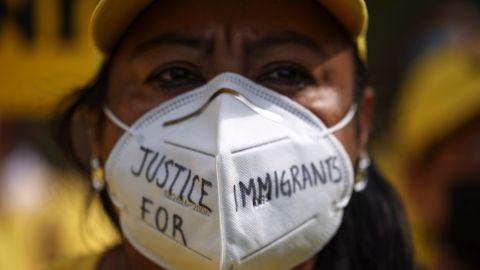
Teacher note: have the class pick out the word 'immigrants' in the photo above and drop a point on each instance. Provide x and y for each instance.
(286, 182)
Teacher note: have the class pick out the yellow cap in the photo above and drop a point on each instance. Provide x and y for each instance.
(441, 94)
(112, 17)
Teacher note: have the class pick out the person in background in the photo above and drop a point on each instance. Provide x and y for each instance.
(430, 99)
(434, 147)
(232, 135)
(45, 213)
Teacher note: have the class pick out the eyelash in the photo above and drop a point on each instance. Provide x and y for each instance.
(295, 77)
(302, 77)
(190, 72)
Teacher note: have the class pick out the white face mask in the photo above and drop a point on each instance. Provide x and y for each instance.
(231, 175)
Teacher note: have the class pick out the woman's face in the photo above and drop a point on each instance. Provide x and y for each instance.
(291, 46)
(294, 47)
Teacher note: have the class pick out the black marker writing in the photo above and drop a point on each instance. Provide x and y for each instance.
(152, 175)
(249, 190)
(180, 169)
(163, 221)
(173, 177)
(287, 182)
(205, 184)
(146, 153)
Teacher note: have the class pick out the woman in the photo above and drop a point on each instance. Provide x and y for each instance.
(228, 131)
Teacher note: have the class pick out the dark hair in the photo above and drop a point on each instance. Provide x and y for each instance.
(67, 119)
(373, 234)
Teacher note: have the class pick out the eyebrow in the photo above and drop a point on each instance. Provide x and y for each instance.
(284, 38)
(207, 45)
(177, 39)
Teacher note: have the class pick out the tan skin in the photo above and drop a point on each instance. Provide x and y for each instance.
(294, 47)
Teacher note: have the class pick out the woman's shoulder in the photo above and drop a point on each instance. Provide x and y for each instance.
(88, 262)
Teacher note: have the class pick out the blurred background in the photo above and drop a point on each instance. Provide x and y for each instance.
(424, 61)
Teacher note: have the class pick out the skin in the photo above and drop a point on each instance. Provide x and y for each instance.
(294, 47)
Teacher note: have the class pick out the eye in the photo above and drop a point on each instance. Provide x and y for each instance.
(175, 76)
(285, 76)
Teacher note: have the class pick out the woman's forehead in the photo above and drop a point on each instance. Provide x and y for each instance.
(237, 20)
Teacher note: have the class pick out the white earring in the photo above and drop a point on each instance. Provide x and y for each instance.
(361, 177)
(98, 180)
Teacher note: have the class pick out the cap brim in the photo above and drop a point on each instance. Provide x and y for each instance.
(112, 17)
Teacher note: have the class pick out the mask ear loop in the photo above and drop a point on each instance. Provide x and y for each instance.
(119, 123)
(343, 123)
(339, 205)
(139, 138)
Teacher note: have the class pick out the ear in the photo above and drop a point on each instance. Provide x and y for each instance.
(365, 119)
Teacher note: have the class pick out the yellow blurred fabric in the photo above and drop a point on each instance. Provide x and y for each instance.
(36, 74)
(441, 93)
(63, 225)
(111, 18)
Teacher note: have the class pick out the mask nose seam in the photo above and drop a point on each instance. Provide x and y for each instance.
(245, 101)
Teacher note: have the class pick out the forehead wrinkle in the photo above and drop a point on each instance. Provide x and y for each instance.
(177, 39)
(284, 38)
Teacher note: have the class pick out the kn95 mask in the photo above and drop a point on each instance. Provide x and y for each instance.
(230, 175)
